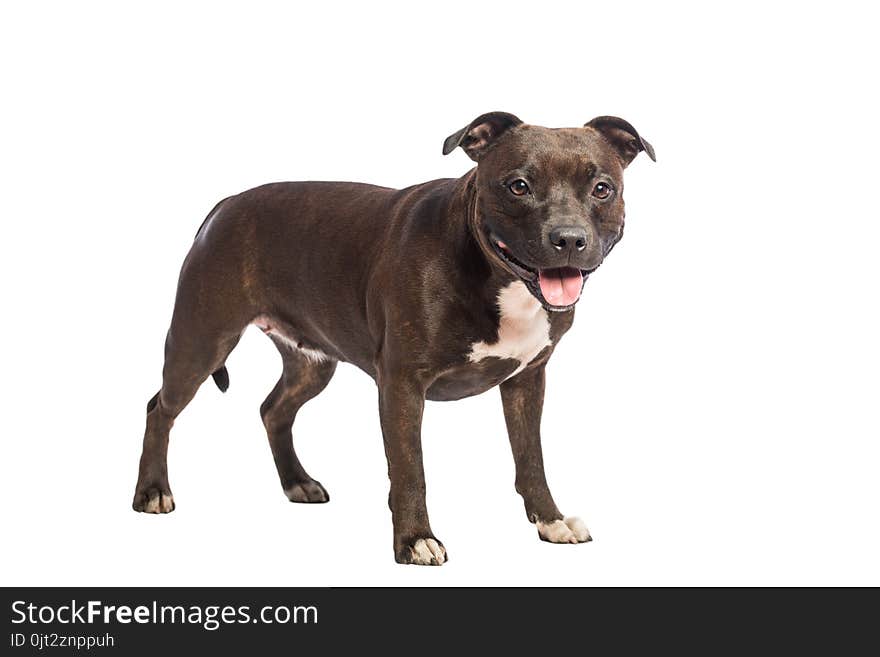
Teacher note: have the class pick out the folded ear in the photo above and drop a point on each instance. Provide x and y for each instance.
(622, 136)
(476, 137)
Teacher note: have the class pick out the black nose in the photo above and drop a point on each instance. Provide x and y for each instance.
(573, 238)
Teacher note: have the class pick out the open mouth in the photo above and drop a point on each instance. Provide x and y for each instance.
(557, 288)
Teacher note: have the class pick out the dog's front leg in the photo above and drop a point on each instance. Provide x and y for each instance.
(523, 400)
(401, 404)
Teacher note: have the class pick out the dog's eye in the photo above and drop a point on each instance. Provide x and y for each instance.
(518, 187)
(602, 190)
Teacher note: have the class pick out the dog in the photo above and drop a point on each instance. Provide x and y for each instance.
(438, 291)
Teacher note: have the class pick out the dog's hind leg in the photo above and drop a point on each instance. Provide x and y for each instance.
(189, 361)
(304, 376)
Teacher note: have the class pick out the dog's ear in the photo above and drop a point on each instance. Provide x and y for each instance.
(622, 136)
(476, 137)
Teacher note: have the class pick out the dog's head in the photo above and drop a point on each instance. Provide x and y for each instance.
(549, 201)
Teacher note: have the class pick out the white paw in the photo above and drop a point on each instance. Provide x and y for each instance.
(428, 552)
(155, 502)
(570, 530)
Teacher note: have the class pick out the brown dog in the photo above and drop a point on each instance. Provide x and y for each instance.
(438, 291)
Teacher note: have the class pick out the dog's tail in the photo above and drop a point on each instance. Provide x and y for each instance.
(221, 378)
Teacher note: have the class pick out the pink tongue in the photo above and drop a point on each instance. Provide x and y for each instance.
(561, 287)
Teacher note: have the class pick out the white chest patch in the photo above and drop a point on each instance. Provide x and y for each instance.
(523, 329)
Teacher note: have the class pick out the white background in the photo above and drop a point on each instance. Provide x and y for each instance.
(712, 415)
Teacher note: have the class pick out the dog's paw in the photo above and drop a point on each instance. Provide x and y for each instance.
(423, 552)
(570, 530)
(153, 500)
(307, 492)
